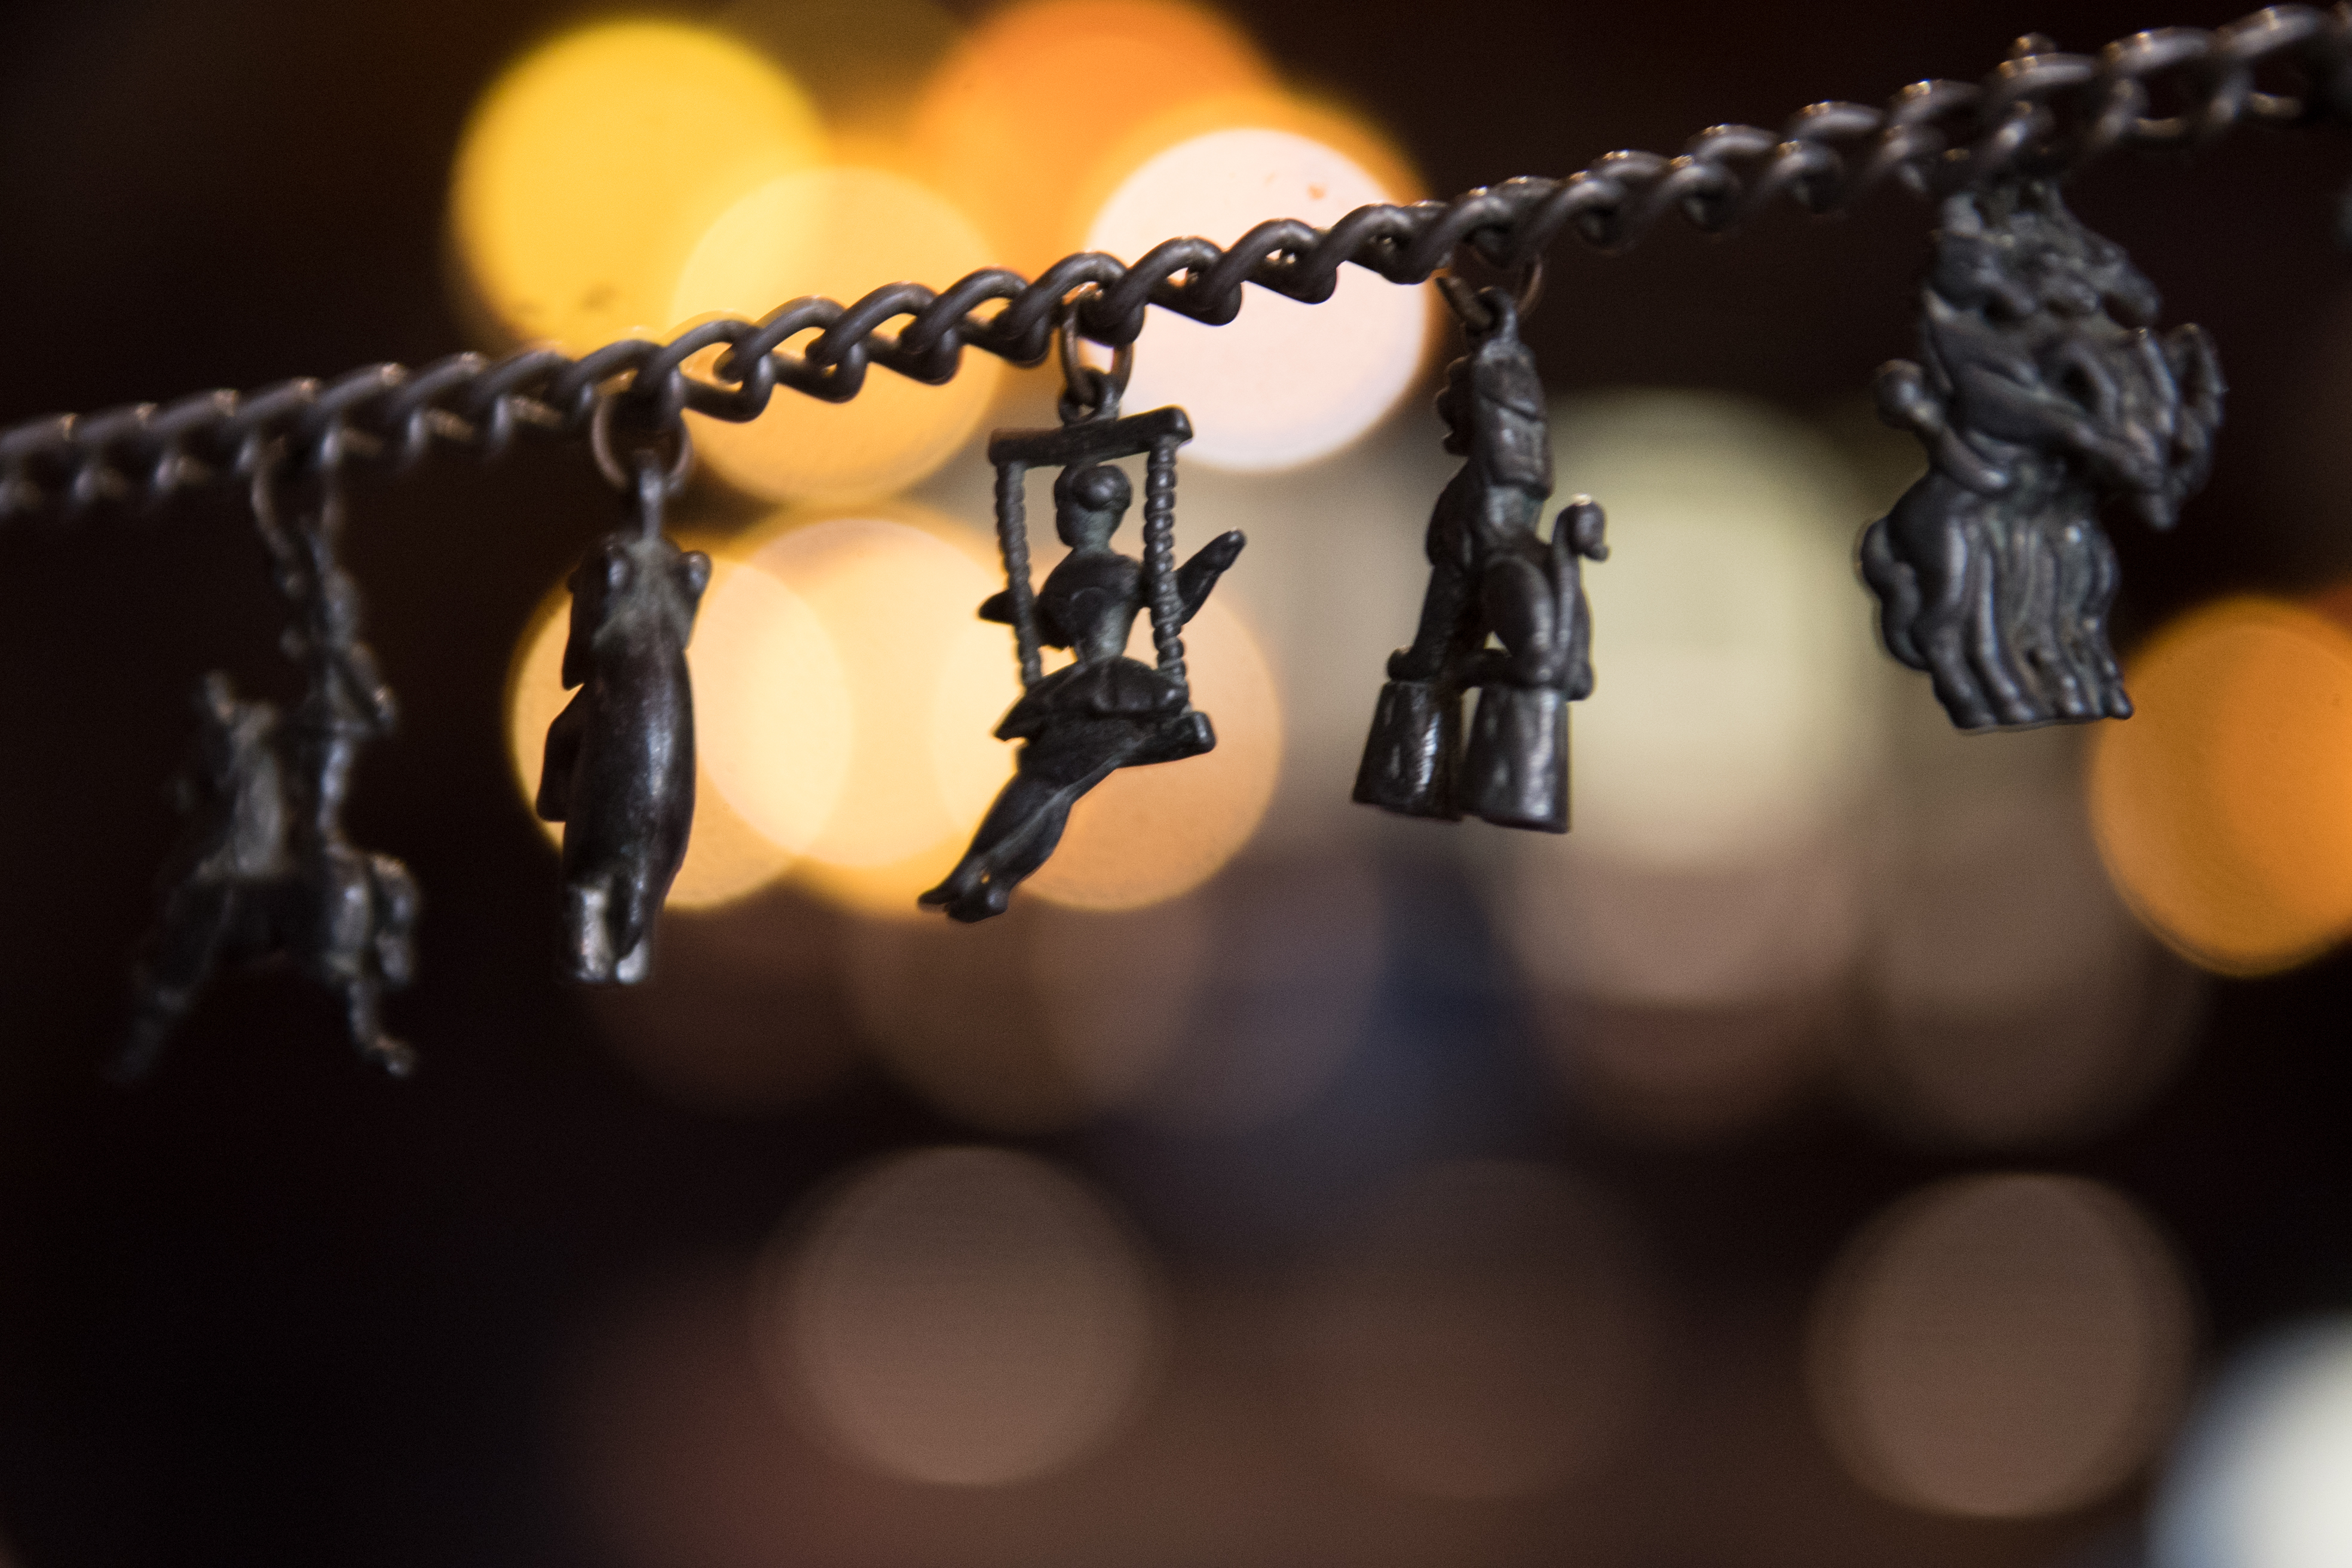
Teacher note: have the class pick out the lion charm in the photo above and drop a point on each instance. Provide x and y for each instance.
(2042, 393)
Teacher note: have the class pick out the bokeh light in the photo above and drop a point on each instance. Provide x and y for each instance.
(591, 167)
(839, 232)
(1291, 984)
(1737, 695)
(994, 122)
(2014, 1000)
(2260, 1480)
(726, 856)
(1034, 1021)
(2224, 808)
(1690, 939)
(1285, 383)
(743, 1014)
(895, 601)
(1152, 833)
(1483, 1334)
(964, 1317)
(2001, 1346)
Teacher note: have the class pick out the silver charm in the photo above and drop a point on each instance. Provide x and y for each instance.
(619, 770)
(2042, 393)
(1491, 575)
(263, 870)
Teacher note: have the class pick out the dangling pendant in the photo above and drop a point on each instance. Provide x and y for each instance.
(263, 870)
(1104, 711)
(2043, 394)
(619, 769)
(1491, 575)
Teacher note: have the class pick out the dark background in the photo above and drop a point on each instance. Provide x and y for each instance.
(273, 1308)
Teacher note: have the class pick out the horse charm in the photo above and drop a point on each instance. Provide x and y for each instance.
(619, 771)
(263, 870)
(2042, 393)
(1491, 575)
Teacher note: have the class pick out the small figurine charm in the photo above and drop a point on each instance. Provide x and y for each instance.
(2042, 393)
(1103, 711)
(263, 868)
(619, 771)
(1491, 575)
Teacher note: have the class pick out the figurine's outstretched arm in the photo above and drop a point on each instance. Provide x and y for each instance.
(1198, 575)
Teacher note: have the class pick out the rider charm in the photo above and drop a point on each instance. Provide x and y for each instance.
(2043, 391)
(619, 772)
(1491, 576)
(263, 870)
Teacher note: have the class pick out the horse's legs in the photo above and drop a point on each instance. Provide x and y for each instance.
(1987, 655)
(178, 958)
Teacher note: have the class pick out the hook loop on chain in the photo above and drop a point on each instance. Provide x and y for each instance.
(1088, 393)
(1470, 307)
(643, 454)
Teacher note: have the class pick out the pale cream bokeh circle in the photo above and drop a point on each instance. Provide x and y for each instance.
(839, 232)
(965, 1316)
(775, 728)
(2261, 1479)
(1283, 383)
(1734, 703)
(2001, 1346)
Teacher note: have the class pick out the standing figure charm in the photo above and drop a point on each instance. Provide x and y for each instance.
(619, 771)
(263, 870)
(2042, 393)
(1104, 711)
(1491, 575)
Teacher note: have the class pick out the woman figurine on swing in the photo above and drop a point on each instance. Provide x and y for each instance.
(1103, 712)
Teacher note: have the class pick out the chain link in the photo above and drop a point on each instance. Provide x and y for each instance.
(2041, 113)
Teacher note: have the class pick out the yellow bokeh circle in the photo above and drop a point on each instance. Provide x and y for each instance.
(2224, 808)
(841, 233)
(591, 169)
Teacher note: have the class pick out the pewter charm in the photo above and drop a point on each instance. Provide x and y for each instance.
(2042, 393)
(1491, 575)
(1103, 711)
(263, 870)
(619, 771)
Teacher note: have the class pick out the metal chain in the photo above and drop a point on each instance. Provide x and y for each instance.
(2041, 113)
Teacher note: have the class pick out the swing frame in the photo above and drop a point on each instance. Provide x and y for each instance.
(1154, 436)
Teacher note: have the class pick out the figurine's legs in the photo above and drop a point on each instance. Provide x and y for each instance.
(364, 1023)
(179, 958)
(1447, 622)
(1022, 828)
(1413, 748)
(394, 897)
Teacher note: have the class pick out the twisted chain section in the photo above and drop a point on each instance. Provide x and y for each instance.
(2043, 113)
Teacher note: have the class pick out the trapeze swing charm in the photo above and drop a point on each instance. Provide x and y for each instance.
(1490, 575)
(619, 769)
(263, 870)
(1104, 711)
(2042, 393)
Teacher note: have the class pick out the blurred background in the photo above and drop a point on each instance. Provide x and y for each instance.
(1855, 1143)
